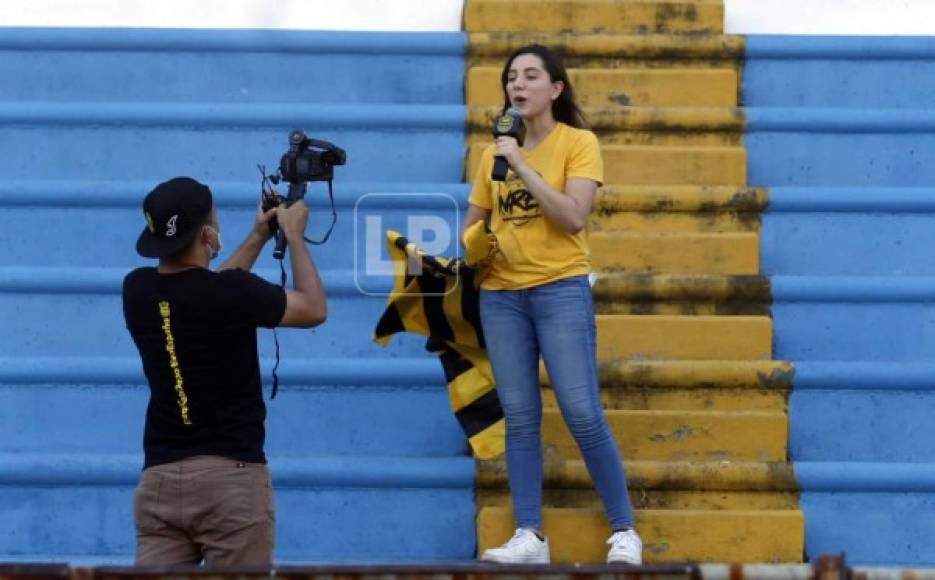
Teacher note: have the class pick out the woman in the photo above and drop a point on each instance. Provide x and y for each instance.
(536, 298)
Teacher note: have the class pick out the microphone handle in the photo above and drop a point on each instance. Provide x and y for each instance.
(500, 168)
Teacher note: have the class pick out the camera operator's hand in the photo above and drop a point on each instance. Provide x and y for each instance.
(292, 220)
(244, 257)
(261, 227)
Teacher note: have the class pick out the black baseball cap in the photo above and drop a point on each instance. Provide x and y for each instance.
(174, 211)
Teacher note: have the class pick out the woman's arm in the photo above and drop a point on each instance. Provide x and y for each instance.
(568, 209)
(474, 215)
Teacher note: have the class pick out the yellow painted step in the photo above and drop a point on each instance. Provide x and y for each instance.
(689, 385)
(669, 126)
(643, 136)
(613, 286)
(671, 475)
(684, 294)
(578, 535)
(655, 119)
(623, 336)
(642, 87)
(660, 165)
(607, 16)
(674, 399)
(651, 165)
(686, 198)
(663, 222)
(677, 253)
(646, 137)
(609, 50)
(719, 485)
(697, 374)
(652, 308)
(680, 435)
(654, 499)
(651, 137)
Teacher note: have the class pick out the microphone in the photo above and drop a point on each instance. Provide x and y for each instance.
(507, 125)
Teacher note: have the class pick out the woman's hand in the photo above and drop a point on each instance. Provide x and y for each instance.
(508, 148)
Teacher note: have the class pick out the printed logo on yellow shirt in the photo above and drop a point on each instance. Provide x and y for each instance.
(515, 204)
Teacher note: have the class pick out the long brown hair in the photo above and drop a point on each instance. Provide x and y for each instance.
(564, 108)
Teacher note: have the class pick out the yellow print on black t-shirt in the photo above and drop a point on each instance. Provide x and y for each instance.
(515, 204)
(164, 312)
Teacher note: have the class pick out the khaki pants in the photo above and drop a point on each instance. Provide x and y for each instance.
(204, 508)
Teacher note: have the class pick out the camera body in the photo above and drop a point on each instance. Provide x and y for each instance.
(306, 160)
(309, 159)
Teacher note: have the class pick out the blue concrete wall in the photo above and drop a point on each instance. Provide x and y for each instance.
(317, 499)
(231, 66)
(368, 462)
(841, 131)
(877, 511)
(840, 147)
(864, 72)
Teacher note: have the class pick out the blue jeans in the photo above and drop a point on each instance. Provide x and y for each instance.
(555, 320)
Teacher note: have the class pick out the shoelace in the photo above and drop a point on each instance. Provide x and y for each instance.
(617, 537)
(517, 538)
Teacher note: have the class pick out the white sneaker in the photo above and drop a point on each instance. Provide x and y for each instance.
(524, 547)
(625, 548)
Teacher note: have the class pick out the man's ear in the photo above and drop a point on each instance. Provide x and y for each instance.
(204, 236)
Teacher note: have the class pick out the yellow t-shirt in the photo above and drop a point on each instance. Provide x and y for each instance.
(533, 250)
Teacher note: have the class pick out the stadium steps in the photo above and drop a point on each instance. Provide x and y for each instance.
(684, 333)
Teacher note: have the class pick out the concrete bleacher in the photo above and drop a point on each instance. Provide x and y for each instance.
(828, 253)
(691, 392)
(839, 131)
(94, 119)
(765, 291)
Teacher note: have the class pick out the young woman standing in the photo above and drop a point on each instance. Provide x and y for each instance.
(536, 299)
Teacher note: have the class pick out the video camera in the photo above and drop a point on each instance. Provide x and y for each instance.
(306, 160)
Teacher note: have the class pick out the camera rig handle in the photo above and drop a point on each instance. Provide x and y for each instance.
(296, 192)
(279, 252)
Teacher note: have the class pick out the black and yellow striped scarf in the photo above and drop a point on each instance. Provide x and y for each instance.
(438, 298)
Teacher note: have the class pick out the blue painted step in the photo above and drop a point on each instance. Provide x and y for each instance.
(368, 461)
(840, 147)
(108, 217)
(322, 504)
(841, 130)
(232, 66)
(91, 324)
(843, 499)
(338, 407)
(824, 231)
(838, 71)
(225, 142)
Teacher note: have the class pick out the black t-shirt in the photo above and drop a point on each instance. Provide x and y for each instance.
(196, 333)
